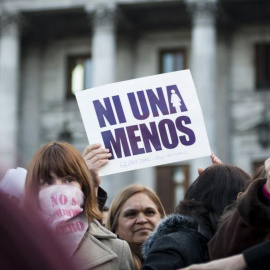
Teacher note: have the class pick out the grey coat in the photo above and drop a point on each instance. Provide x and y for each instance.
(177, 242)
(100, 249)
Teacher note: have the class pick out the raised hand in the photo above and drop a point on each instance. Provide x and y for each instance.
(95, 158)
(215, 161)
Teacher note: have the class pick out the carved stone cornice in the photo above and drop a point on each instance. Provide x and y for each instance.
(103, 15)
(202, 11)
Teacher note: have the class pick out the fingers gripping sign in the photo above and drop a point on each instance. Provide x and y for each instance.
(95, 158)
(215, 161)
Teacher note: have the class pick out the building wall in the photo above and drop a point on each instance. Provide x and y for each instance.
(44, 73)
(223, 93)
(43, 108)
(150, 44)
(247, 103)
(43, 105)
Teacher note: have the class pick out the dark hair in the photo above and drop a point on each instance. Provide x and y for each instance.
(215, 188)
(259, 172)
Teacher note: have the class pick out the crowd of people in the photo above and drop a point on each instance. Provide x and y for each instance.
(51, 217)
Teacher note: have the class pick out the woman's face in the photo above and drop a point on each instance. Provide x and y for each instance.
(55, 180)
(138, 218)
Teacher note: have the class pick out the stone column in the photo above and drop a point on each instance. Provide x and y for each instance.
(203, 67)
(103, 18)
(9, 75)
(103, 45)
(30, 103)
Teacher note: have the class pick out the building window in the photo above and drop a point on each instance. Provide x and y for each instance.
(172, 60)
(79, 74)
(262, 55)
(172, 184)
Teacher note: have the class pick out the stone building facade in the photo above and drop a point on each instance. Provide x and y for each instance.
(49, 49)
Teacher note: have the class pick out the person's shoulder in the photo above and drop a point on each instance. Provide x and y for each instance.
(99, 231)
(173, 229)
(109, 251)
(181, 237)
(106, 236)
(174, 224)
(175, 248)
(185, 235)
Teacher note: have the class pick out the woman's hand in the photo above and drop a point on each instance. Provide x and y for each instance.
(95, 158)
(215, 161)
(232, 263)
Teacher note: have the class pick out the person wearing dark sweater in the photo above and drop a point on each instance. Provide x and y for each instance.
(246, 225)
(171, 245)
(181, 239)
(251, 218)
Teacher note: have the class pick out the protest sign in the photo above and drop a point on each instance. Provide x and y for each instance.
(145, 122)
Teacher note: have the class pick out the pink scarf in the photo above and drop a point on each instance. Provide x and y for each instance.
(62, 208)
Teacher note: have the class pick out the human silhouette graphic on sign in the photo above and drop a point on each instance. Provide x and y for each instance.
(176, 101)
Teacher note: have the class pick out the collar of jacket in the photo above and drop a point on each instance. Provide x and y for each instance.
(92, 251)
(205, 231)
(97, 230)
(171, 224)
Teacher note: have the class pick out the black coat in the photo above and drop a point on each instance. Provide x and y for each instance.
(257, 257)
(177, 242)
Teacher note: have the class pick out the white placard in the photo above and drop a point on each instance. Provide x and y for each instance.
(145, 122)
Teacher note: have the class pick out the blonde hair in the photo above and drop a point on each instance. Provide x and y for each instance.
(62, 159)
(116, 206)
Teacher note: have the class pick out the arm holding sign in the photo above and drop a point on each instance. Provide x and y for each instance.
(215, 161)
(96, 157)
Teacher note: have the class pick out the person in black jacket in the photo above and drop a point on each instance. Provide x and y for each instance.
(181, 239)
